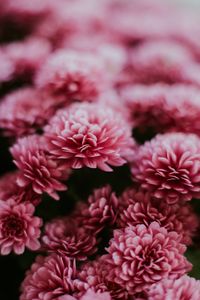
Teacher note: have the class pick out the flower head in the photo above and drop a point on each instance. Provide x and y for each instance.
(137, 206)
(38, 170)
(49, 278)
(180, 289)
(89, 135)
(71, 74)
(142, 255)
(64, 236)
(168, 166)
(18, 227)
(24, 111)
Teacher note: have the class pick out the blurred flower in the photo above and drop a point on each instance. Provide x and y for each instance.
(64, 236)
(168, 166)
(179, 289)
(89, 135)
(18, 227)
(75, 75)
(27, 56)
(25, 110)
(38, 170)
(142, 255)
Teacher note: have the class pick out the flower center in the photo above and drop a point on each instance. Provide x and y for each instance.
(12, 226)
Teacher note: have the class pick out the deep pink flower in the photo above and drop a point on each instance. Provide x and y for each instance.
(72, 74)
(140, 207)
(90, 135)
(49, 278)
(64, 236)
(27, 56)
(38, 170)
(168, 166)
(161, 108)
(142, 255)
(101, 210)
(8, 185)
(25, 110)
(184, 288)
(18, 227)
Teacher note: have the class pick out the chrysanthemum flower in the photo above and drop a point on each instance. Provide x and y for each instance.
(160, 108)
(89, 295)
(64, 236)
(93, 274)
(18, 227)
(142, 255)
(137, 206)
(25, 110)
(101, 210)
(72, 74)
(90, 135)
(49, 278)
(27, 56)
(160, 61)
(168, 166)
(180, 289)
(38, 170)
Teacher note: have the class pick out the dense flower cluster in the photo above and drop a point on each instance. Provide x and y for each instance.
(100, 109)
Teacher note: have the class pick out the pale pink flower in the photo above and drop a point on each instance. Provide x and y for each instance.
(27, 56)
(66, 237)
(184, 288)
(160, 61)
(168, 166)
(38, 170)
(142, 255)
(74, 75)
(25, 110)
(18, 227)
(137, 206)
(90, 135)
(89, 295)
(49, 278)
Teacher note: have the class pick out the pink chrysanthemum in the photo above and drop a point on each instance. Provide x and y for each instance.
(8, 185)
(140, 256)
(73, 75)
(168, 166)
(25, 110)
(139, 207)
(49, 278)
(160, 61)
(10, 189)
(89, 295)
(184, 288)
(90, 135)
(101, 211)
(18, 227)
(160, 108)
(38, 170)
(64, 236)
(93, 274)
(27, 56)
